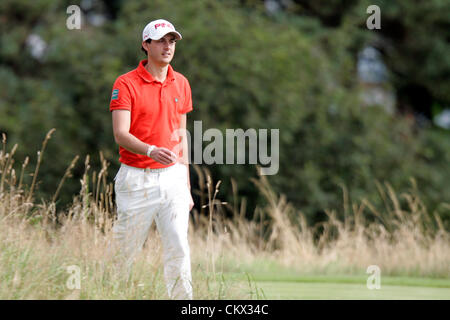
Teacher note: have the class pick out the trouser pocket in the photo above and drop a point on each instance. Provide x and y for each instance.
(122, 178)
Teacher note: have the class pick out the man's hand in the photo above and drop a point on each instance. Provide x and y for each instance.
(163, 155)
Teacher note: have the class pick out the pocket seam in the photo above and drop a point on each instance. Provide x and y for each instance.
(120, 178)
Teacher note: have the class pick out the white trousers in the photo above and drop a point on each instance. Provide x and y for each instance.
(143, 196)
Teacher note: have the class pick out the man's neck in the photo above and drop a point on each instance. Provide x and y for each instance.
(158, 72)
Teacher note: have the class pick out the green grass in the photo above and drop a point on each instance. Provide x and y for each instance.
(344, 291)
(354, 279)
(288, 284)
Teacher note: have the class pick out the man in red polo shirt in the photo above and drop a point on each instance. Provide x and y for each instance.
(149, 106)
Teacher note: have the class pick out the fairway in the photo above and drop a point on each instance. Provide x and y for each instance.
(289, 285)
(343, 291)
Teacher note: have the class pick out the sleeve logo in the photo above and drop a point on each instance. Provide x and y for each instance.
(115, 94)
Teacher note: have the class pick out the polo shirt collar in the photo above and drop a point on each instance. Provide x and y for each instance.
(147, 76)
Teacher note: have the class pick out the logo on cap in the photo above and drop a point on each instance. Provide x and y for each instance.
(164, 25)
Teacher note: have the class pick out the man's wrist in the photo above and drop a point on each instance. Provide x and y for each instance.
(150, 149)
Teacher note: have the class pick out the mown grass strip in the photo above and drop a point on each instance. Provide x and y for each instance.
(355, 279)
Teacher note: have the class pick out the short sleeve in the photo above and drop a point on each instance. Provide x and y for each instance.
(187, 107)
(121, 96)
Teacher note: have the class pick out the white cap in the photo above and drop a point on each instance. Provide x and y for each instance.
(157, 29)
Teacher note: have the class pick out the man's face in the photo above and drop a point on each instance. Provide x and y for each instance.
(161, 51)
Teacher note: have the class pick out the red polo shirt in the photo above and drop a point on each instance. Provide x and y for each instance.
(155, 107)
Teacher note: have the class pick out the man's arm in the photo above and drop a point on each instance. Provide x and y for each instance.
(121, 126)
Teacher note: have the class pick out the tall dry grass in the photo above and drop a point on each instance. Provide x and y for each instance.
(37, 243)
(403, 240)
